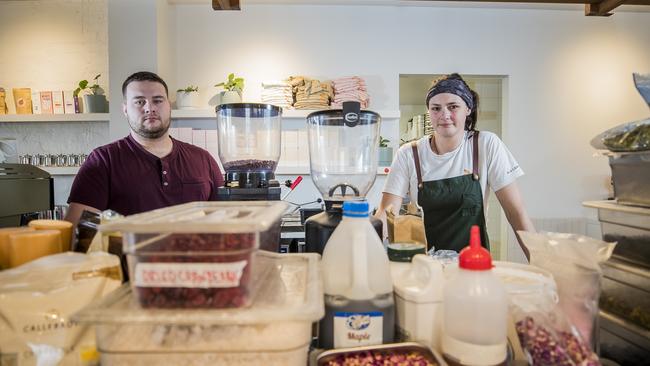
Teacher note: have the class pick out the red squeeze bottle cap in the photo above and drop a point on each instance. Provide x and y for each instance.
(474, 257)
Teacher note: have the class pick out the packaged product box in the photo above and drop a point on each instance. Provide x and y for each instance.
(23, 100)
(68, 102)
(185, 134)
(57, 102)
(36, 102)
(198, 138)
(3, 101)
(46, 102)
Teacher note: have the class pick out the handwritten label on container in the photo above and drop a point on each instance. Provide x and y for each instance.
(192, 275)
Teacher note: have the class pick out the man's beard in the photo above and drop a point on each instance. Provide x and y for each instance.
(150, 133)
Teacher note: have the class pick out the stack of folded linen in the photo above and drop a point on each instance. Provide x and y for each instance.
(311, 93)
(277, 93)
(351, 88)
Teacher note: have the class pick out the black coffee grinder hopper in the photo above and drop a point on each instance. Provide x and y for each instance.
(319, 228)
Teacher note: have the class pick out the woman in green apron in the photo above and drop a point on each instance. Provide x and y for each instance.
(449, 172)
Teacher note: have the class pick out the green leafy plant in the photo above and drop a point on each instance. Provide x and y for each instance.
(94, 89)
(233, 84)
(189, 89)
(383, 142)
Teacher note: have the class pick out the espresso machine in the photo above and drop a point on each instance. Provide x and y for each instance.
(249, 150)
(343, 163)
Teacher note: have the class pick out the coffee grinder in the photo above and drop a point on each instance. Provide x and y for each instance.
(343, 163)
(249, 150)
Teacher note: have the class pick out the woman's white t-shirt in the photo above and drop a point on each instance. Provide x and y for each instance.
(497, 167)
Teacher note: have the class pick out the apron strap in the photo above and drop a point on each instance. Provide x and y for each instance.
(416, 157)
(475, 175)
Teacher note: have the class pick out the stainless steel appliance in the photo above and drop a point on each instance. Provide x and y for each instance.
(631, 177)
(23, 189)
(624, 321)
(249, 149)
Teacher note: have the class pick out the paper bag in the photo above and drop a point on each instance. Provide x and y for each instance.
(408, 228)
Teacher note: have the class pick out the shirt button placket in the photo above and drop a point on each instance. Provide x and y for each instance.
(164, 175)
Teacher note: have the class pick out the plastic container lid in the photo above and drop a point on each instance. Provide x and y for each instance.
(474, 257)
(355, 208)
(289, 288)
(524, 278)
(203, 217)
(404, 252)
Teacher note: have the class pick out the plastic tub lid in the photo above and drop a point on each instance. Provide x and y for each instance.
(286, 287)
(203, 217)
(524, 278)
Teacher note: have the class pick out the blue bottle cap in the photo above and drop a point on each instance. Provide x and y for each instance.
(355, 208)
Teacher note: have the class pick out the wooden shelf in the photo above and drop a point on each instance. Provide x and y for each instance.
(286, 113)
(78, 117)
(304, 170)
(281, 170)
(61, 170)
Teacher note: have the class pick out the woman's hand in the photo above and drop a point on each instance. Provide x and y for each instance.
(510, 199)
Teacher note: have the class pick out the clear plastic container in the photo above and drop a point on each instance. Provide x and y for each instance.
(249, 136)
(199, 254)
(343, 154)
(274, 330)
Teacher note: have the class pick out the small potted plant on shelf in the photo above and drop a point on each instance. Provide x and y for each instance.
(94, 98)
(233, 88)
(187, 98)
(385, 152)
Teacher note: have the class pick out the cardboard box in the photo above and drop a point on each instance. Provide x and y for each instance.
(36, 102)
(198, 138)
(68, 102)
(47, 106)
(57, 102)
(185, 134)
(3, 101)
(23, 100)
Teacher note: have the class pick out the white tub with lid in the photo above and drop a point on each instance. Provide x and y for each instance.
(275, 330)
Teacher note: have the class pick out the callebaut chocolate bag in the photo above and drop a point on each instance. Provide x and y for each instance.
(37, 300)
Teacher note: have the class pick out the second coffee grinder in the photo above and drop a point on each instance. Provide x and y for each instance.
(343, 163)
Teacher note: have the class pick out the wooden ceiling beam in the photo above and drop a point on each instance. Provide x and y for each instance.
(225, 5)
(602, 8)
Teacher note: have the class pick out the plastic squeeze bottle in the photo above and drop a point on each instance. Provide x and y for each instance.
(475, 310)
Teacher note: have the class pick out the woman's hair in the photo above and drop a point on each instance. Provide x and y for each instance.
(454, 84)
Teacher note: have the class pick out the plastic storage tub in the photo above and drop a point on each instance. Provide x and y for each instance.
(196, 255)
(275, 330)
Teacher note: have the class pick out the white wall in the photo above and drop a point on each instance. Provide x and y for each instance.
(569, 76)
(51, 45)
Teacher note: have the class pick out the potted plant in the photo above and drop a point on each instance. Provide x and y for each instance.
(233, 88)
(188, 97)
(385, 152)
(94, 98)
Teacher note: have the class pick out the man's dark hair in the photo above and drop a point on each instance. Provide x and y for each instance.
(143, 76)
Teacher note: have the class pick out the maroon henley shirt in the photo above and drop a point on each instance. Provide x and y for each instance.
(124, 177)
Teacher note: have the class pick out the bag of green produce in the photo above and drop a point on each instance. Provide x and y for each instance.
(630, 136)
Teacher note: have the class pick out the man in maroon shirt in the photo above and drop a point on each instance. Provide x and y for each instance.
(147, 169)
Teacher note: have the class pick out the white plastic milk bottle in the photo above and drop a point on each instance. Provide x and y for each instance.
(359, 305)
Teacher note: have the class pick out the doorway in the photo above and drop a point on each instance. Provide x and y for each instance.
(414, 123)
